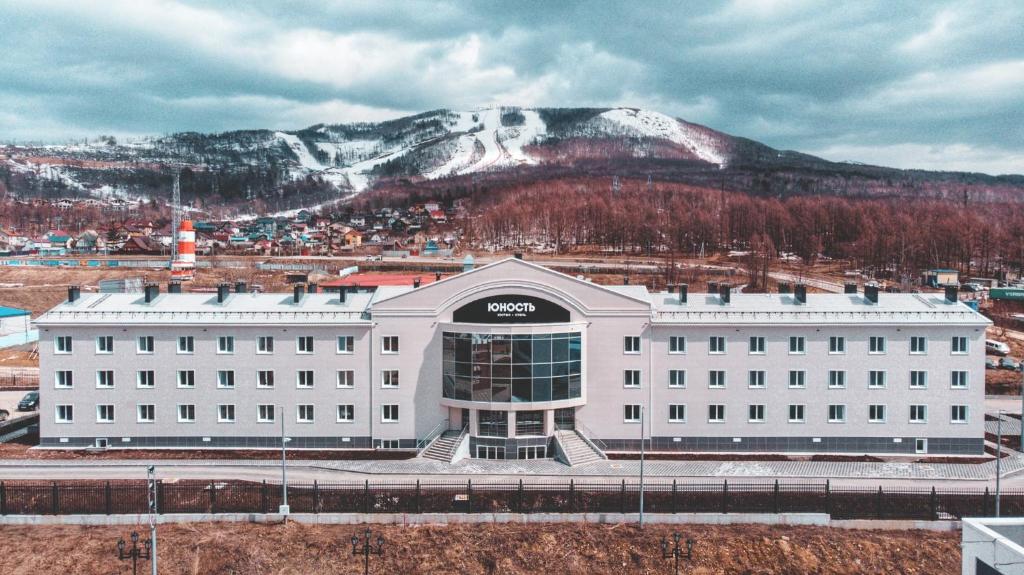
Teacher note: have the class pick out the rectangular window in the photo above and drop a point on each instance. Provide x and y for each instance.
(265, 344)
(631, 413)
(265, 413)
(755, 413)
(346, 413)
(631, 378)
(64, 413)
(876, 344)
(226, 413)
(677, 378)
(797, 378)
(105, 344)
(186, 344)
(876, 379)
(105, 413)
(64, 379)
(62, 344)
(716, 344)
(389, 344)
(105, 379)
(631, 344)
(145, 379)
(346, 344)
(796, 413)
(836, 413)
(225, 379)
(716, 413)
(918, 379)
(876, 413)
(265, 378)
(145, 344)
(677, 344)
(797, 344)
(756, 379)
(958, 379)
(836, 379)
(304, 378)
(958, 414)
(756, 345)
(226, 344)
(186, 378)
(389, 413)
(918, 413)
(304, 413)
(958, 344)
(304, 344)
(345, 378)
(918, 344)
(186, 413)
(146, 413)
(837, 344)
(389, 378)
(677, 413)
(716, 378)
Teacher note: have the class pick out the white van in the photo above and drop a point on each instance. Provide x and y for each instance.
(996, 347)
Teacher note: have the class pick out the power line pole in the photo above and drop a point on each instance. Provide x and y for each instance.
(175, 213)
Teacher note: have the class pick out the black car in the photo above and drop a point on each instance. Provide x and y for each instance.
(30, 402)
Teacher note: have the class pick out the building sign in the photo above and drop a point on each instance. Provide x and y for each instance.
(511, 309)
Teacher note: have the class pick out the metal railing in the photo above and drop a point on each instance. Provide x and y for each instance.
(437, 431)
(588, 436)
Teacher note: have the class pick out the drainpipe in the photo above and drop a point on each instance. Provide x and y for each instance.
(371, 382)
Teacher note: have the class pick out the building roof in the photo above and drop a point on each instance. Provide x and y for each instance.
(12, 312)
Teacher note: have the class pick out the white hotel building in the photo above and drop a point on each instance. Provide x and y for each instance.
(509, 359)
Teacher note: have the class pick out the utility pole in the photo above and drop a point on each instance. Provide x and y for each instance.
(151, 495)
(175, 213)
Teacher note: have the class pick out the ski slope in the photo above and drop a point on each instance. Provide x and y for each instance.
(658, 125)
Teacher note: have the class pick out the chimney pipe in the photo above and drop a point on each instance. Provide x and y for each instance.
(783, 287)
(871, 294)
(241, 287)
(297, 293)
(800, 293)
(625, 280)
(151, 291)
(437, 276)
(223, 290)
(519, 255)
(683, 292)
(712, 287)
(174, 287)
(951, 294)
(73, 293)
(312, 288)
(341, 294)
(724, 292)
(849, 287)
(416, 282)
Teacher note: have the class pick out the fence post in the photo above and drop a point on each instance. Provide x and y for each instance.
(984, 503)
(775, 496)
(878, 504)
(519, 502)
(213, 498)
(828, 498)
(55, 499)
(366, 497)
(316, 497)
(725, 496)
(3, 498)
(469, 496)
(263, 497)
(106, 498)
(572, 496)
(933, 506)
(418, 496)
(622, 498)
(675, 506)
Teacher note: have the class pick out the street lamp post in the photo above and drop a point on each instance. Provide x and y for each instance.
(364, 546)
(151, 495)
(641, 466)
(284, 509)
(135, 552)
(676, 551)
(999, 453)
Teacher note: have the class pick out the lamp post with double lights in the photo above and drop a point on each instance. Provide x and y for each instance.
(676, 552)
(364, 546)
(135, 552)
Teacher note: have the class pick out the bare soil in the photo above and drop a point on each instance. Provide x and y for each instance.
(508, 549)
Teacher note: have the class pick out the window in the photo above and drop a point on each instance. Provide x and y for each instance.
(346, 344)
(493, 423)
(186, 378)
(918, 413)
(677, 378)
(677, 344)
(395, 444)
(144, 344)
(837, 344)
(755, 378)
(796, 413)
(716, 413)
(918, 344)
(389, 413)
(958, 344)
(105, 379)
(389, 344)
(64, 379)
(631, 413)
(105, 344)
(389, 378)
(756, 345)
(62, 344)
(958, 379)
(876, 414)
(533, 452)
(920, 446)
(64, 413)
(265, 413)
(186, 413)
(631, 344)
(346, 413)
(876, 344)
(145, 378)
(345, 378)
(529, 423)
(265, 378)
(105, 413)
(797, 378)
(146, 413)
(836, 379)
(716, 378)
(958, 414)
(304, 378)
(631, 378)
(225, 379)
(677, 413)
(304, 344)
(226, 344)
(716, 344)
(226, 413)
(918, 379)
(797, 344)
(304, 413)
(876, 379)
(265, 344)
(836, 413)
(186, 344)
(755, 413)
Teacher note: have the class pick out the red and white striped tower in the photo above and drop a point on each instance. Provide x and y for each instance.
(183, 267)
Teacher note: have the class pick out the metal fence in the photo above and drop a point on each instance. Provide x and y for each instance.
(112, 497)
(19, 377)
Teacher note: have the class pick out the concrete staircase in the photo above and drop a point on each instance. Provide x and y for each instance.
(576, 450)
(443, 448)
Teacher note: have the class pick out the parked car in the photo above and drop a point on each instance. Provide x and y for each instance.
(1008, 363)
(971, 287)
(996, 347)
(990, 363)
(30, 402)
(4, 414)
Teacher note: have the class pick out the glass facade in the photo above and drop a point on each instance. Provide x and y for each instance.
(512, 368)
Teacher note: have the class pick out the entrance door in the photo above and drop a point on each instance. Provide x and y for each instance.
(465, 419)
(565, 418)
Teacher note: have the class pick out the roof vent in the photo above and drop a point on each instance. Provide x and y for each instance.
(223, 290)
(297, 293)
(683, 289)
(151, 291)
(312, 288)
(416, 282)
(800, 293)
(174, 287)
(74, 292)
(784, 287)
(712, 287)
(849, 287)
(519, 255)
(951, 294)
(871, 294)
(341, 294)
(241, 287)
(724, 291)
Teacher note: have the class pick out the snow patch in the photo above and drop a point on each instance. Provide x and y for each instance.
(306, 159)
(658, 125)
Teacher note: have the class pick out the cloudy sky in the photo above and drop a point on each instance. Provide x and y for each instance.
(936, 85)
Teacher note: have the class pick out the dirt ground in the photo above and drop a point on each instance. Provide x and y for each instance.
(508, 549)
(1003, 381)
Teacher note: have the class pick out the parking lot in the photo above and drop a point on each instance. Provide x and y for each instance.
(9, 401)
